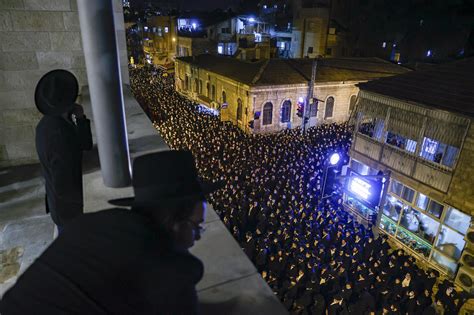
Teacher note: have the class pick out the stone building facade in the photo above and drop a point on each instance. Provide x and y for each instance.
(422, 138)
(37, 36)
(267, 92)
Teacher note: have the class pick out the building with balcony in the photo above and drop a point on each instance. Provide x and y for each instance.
(418, 128)
(263, 96)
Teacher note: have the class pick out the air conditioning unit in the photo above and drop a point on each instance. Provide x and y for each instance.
(465, 279)
(467, 260)
(469, 238)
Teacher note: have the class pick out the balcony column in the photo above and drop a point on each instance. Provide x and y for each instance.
(105, 84)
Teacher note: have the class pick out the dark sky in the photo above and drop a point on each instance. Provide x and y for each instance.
(194, 4)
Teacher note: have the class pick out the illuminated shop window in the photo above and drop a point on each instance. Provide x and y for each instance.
(457, 220)
(444, 262)
(415, 243)
(450, 242)
(420, 224)
(393, 208)
(388, 225)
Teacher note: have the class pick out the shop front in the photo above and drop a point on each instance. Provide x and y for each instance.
(431, 231)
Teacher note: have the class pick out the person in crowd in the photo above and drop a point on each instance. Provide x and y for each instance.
(313, 254)
(121, 261)
(61, 136)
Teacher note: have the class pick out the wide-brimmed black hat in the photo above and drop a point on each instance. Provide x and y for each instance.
(56, 92)
(166, 177)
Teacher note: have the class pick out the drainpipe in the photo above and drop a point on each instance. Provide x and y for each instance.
(105, 84)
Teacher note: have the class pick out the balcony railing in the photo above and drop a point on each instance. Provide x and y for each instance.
(430, 174)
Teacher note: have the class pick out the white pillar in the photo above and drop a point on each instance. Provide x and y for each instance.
(105, 84)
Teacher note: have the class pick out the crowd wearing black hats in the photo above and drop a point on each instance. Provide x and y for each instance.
(311, 252)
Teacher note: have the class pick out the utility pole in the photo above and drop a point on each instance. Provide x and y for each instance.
(309, 98)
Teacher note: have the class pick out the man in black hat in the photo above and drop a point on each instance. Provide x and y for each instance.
(119, 261)
(61, 136)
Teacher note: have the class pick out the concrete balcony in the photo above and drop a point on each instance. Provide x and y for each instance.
(403, 162)
(231, 284)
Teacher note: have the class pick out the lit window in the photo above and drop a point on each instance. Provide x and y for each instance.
(275, 6)
(264, 6)
(422, 201)
(220, 49)
(282, 45)
(384, 44)
(428, 53)
(145, 28)
(166, 29)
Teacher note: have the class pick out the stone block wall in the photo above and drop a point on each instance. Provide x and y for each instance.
(342, 94)
(37, 36)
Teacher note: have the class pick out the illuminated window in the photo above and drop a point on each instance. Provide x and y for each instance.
(220, 49)
(166, 29)
(267, 113)
(285, 111)
(145, 28)
(264, 6)
(428, 53)
(384, 44)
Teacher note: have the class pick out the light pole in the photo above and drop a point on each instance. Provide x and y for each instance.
(333, 162)
(309, 98)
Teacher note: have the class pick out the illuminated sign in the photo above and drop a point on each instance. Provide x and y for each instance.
(366, 190)
(360, 187)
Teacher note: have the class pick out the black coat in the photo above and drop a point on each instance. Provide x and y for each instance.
(108, 262)
(59, 145)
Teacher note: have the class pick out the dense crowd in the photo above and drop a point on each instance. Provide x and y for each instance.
(312, 253)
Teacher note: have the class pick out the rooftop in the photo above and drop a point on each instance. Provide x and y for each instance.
(448, 86)
(295, 71)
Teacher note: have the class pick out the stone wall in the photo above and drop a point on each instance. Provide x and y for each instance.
(37, 36)
(342, 94)
(461, 190)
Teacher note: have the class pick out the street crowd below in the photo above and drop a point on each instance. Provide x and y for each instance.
(313, 254)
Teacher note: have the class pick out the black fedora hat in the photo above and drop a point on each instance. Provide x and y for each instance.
(164, 177)
(56, 92)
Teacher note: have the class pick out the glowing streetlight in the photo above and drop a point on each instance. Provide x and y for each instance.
(194, 25)
(334, 159)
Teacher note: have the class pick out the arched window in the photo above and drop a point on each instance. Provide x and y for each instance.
(224, 97)
(196, 85)
(267, 113)
(208, 88)
(213, 89)
(352, 103)
(329, 107)
(239, 109)
(186, 83)
(285, 111)
(313, 109)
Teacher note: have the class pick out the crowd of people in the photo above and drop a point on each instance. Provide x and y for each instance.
(312, 253)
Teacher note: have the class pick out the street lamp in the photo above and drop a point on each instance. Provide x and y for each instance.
(334, 159)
